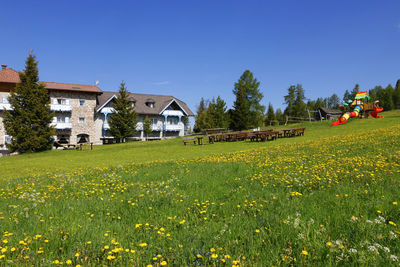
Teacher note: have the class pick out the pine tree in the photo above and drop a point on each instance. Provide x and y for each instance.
(249, 85)
(333, 101)
(300, 106)
(279, 116)
(29, 120)
(147, 127)
(290, 99)
(241, 111)
(346, 96)
(123, 119)
(396, 95)
(389, 92)
(221, 117)
(270, 116)
(356, 89)
(201, 122)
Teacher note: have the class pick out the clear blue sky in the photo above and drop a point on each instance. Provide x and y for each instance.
(194, 49)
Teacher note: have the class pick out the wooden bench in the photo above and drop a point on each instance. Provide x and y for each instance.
(189, 140)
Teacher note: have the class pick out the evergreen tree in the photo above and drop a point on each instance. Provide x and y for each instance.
(241, 111)
(249, 85)
(388, 96)
(123, 119)
(221, 117)
(300, 106)
(279, 116)
(201, 122)
(29, 120)
(333, 102)
(319, 103)
(290, 99)
(380, 95)
(346, 96)
(372, 95)
(396, 95)
(147, 129)
(356, 89)
(270, 116)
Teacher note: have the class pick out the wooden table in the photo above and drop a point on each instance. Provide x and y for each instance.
(200, 140)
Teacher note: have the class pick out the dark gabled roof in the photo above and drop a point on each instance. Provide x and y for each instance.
(331, 111)
(161, 102)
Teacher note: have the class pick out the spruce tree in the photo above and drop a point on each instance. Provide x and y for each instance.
(279, 116)
(346, 96)
(123, 119)
(147, 127)
(396, 95)
(270, 116)
(221, 117)
(290, 99)
(333, 101)
(201, 122)
(388, 95)
(299, 105)
(241, 111)
(29, 120)
(250, 87)
(355, 90)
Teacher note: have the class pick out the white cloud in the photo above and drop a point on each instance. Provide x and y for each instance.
(161, 83)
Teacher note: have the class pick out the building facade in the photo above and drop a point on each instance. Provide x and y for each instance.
(81, 112)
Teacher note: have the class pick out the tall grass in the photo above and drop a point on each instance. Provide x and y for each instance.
(330, 198)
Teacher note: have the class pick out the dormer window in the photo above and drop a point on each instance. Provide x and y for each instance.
(133, 103)
(150, 104)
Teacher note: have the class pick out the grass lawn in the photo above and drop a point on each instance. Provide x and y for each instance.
(328, 198)
(165, 150)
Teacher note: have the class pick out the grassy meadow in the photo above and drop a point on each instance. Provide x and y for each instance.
(328, 198)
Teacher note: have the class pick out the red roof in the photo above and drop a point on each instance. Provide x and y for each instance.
(9, 76)
(72, 87)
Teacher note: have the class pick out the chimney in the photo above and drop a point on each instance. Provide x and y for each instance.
(3, 66)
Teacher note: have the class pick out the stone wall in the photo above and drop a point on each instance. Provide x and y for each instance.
(86, 111)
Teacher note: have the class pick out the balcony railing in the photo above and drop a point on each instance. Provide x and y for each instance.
(173, 127)
(62, 108)
(4, 105)
(62, 125)
(106, 125)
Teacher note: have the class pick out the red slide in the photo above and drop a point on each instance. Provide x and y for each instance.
(376, 111)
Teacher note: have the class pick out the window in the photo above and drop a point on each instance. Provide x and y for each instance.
(60, 119)
(150, 104)
(81, 120)
(61, 101)
(133, 103)
(81, 102)
(154, 121)
(5, 100)
(172, 120)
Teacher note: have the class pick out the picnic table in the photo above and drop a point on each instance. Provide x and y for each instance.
(200, 140)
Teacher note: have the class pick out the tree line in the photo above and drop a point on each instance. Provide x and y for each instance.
(248, 112)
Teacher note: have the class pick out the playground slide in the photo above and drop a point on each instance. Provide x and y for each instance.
(376, 111)
(343, 119)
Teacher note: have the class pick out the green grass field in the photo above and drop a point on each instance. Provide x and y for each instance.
(328, 198)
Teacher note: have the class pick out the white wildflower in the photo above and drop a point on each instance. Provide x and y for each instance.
(353, 250)
(394, 258)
